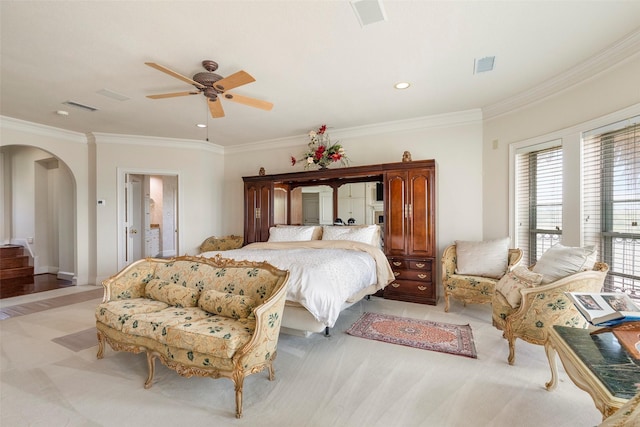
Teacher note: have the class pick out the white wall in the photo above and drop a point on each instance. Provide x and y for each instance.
(559, 116)
(453, 140)
(72, 149)
(199, 166)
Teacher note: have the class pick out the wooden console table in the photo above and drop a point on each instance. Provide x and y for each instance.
(597, 364)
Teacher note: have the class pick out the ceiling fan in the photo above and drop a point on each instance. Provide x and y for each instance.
(212, 86)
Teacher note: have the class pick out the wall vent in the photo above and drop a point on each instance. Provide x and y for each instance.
(81, 106)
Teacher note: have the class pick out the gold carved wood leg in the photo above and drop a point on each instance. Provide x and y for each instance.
(238, 380)
(100, 354)
(271, 372)
(446, 302)
(151, 358)
(553, 364)
(512, 350)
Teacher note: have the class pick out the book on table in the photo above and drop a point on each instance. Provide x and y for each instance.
(605, 308)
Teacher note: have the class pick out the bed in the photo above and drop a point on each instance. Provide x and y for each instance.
(326, 276)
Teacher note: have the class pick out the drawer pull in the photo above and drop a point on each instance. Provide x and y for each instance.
(395, 273)
(397, 263)
(422, 288)
(395, 285)
(420, 265)
(422, 276)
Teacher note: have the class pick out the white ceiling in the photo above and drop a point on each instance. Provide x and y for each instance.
(312, 59)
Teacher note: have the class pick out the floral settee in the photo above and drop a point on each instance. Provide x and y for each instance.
(212, 317)
(224, 243)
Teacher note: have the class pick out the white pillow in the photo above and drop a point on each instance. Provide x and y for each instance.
(516, 279)
(290, 234)
(369, 234)
(487, 259)
(317, 230)
(560, 261)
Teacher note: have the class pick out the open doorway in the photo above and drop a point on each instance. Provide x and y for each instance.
(148, 216)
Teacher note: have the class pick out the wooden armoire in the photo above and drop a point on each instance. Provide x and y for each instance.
(409, 216)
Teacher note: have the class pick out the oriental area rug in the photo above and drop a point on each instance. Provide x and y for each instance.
(423, 334)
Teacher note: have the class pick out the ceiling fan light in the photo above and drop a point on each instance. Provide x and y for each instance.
(402, 85)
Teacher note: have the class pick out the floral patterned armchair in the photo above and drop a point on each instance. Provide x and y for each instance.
(543, 306)
(466, 288)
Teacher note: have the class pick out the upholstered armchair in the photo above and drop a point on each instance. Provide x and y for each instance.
(471, 289)
(224, 243)
(542, 306)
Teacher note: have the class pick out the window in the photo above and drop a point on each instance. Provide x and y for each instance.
(538, 199)
(611, 201)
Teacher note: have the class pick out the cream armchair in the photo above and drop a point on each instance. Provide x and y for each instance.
(469, 289)
(543, 306)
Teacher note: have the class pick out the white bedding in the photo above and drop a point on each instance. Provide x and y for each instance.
(322, 274)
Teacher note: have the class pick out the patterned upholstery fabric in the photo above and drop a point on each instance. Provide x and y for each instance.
(469, 289)
(190, 340)
(544, 306)
(225, 243)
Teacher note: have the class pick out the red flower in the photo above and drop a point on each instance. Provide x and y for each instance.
(322, 129)
(320, 152)
(293, 161)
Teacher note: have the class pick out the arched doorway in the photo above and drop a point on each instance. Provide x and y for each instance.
(39, 208)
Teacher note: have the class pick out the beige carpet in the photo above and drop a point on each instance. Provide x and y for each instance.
(337, 381)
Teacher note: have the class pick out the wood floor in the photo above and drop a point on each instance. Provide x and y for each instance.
(30, 285)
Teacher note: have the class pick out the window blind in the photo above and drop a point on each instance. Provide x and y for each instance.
(611, 201)
(538, 200)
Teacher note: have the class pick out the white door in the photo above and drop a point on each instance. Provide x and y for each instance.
(133, 218)
(148, 217)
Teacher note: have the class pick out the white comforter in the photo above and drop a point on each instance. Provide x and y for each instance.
(322, 274)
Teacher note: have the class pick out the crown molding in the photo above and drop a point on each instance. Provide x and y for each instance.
(41, 130)
(621, 51)
(152, 141)
(427, 122)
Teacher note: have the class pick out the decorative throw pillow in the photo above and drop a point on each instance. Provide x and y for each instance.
(226, 304)
(300, 233)
(369, 234)
(518, 278)
(172, 294)
(560, 261)
(487, 259)
(317, 230)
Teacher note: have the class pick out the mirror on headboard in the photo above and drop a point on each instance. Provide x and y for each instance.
(360, 202)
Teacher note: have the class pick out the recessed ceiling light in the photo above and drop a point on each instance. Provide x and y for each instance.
(62, 113)
(402, 85)
(201, 125)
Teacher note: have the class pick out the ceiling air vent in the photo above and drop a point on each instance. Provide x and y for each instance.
(113, 95)
(81, 106)
(368, 11)
(483, 65)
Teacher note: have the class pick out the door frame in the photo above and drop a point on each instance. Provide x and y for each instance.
(121, 207)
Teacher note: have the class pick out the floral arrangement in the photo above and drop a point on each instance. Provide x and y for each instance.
(321, 151)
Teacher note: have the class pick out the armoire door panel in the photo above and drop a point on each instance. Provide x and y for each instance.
(395, 214)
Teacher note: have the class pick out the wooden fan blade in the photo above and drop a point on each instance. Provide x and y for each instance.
(251, 102)
(171, 95)
(215, 106)
(174, 74)
(234, 80)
